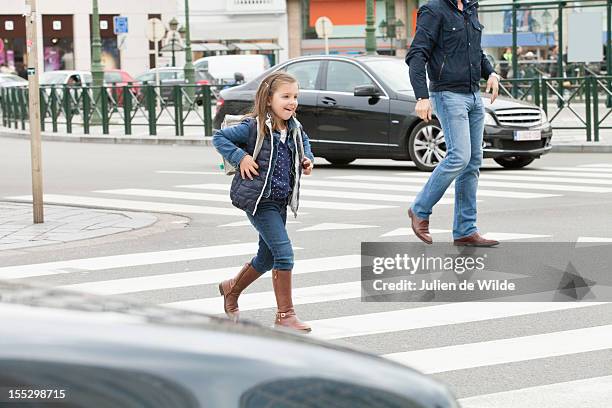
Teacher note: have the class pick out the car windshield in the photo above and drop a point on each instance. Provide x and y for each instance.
(53, 78)
(394, 72)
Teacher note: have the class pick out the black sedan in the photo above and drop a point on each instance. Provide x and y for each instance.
(363, 107)
(71, 350)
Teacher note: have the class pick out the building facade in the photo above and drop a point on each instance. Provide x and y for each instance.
(64, 31)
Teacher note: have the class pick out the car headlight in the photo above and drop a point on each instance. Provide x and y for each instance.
(543, 116)
(490, 120)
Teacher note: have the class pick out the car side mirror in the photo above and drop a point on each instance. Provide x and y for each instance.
(366, 90)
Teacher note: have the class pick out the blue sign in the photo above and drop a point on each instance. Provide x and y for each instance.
(120, 25)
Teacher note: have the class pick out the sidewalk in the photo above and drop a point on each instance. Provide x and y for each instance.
(63, 224)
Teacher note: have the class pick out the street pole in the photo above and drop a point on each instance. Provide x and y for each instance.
(97, 69)
(189, 69)
(34, 106)
(370, 43)
(608, 48)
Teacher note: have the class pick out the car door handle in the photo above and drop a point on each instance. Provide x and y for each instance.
(328, 101)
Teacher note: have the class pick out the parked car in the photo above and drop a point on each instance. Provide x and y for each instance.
(10, 80)
(90, 351)
(65, 77)
(117, 79)
(224, 67)
(364, 107)
(170, 76)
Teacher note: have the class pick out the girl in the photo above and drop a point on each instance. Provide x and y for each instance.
(264, 187)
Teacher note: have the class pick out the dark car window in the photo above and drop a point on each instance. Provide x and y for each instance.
(345, 76)
(306, 73)
(167, 75)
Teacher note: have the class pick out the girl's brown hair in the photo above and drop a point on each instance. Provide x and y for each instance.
(265, 91)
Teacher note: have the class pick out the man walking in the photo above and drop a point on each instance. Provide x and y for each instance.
(447, 40)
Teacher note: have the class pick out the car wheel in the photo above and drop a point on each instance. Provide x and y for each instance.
(340, 161)
(514, 162)
(426, 145)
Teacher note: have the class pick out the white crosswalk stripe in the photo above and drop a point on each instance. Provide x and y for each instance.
(486, 183)
(487, 353)
(539, 176)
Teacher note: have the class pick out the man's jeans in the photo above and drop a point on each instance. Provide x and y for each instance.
(462, 119)
(275, 250)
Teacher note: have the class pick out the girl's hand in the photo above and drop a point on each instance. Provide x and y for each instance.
(248, 167)
(307, 166)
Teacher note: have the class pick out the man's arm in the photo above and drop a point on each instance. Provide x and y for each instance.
(486, 69)
(428, 25)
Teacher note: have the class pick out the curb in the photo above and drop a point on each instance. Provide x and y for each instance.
(109, 139)
(585, 147)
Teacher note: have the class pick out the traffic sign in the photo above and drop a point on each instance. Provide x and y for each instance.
(155, 30)
(120, 25)
(324, 27)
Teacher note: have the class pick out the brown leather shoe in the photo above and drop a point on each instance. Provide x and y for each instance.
(475, 240)
(420, 227)
(230, 289)
(285, 315)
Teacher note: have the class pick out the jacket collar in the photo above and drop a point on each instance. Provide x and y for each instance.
(470, 4)
(291, 124)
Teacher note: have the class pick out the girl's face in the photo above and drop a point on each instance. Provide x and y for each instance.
(283, 101)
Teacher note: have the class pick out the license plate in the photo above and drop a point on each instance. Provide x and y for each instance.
(522, 135)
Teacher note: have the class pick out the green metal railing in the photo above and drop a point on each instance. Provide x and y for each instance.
(148, 106)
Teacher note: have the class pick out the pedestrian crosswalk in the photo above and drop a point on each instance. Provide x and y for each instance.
(550, 330)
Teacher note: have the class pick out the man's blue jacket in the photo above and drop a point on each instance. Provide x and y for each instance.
(447, 40)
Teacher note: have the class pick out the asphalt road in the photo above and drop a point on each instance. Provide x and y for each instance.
(492, 355)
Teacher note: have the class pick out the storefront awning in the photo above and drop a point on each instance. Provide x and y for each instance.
(260, 46)
(203, 47)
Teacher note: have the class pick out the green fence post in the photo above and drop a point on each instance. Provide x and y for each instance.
(43, 108)
(545, 95)
(14, 107)
(54, 112)
(207, 113)
(2, 106)
(104, 102)
(150, 103)
(23, 106)
(536, 91)
(127, 109)
(67, 109)
(86, 110)
(587, 96)
(178, 114)
(595, 113)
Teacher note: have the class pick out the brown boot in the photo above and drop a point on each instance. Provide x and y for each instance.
(230, 289)
(285, 315)
(420, 227)
(475, 240)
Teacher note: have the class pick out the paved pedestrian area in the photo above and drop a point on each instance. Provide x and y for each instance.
(63, 224)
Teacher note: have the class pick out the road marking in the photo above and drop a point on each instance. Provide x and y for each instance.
(431, 316)
(127, 260)
(388, 187)
(205, 173)
(263, 300)
(408, 231)
(597, 165)
(247, 223)
(594, 239)
(527, 175)
(579, 173)
(205, 277)
(98, 202)
(328, 205)
(505, 236)
(590, 392)
(488, 353)
(328, 226)
(531, 186)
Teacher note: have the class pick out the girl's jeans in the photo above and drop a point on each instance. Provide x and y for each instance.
(275, 250)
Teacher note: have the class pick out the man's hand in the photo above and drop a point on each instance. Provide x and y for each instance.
(423, 109)
(307, 166)
(493, 86)
(248, 167)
